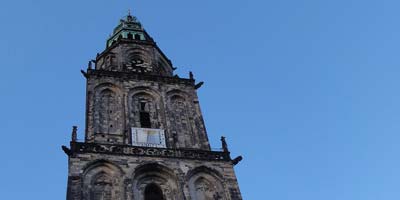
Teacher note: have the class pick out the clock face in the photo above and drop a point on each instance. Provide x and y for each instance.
(138, 65)
(137, 62)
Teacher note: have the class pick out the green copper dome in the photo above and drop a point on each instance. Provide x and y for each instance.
(128, 28)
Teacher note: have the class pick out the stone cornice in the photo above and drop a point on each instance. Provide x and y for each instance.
(140, 76)
(126, 150)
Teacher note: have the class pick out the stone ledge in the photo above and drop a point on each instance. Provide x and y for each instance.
(141, 76)
(125, 150)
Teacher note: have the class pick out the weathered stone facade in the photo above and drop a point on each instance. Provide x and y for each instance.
(145, 137)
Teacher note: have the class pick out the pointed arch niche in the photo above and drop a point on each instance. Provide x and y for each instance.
(155, 182)
(102, 181)
(181, 129)
(108, 112)
(101, 187)
(205, 184)
(144, 108)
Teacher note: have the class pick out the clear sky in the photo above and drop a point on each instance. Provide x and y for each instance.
(306, 90)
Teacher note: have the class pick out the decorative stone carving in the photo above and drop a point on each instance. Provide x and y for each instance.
(77, 147)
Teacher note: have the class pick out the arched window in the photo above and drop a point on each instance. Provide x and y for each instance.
(153, 192)
(143, 111)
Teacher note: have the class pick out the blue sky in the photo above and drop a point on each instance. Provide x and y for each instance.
(306, 90)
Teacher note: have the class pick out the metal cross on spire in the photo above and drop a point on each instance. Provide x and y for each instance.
(129, 17)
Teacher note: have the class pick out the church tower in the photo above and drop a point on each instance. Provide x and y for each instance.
(145, 137)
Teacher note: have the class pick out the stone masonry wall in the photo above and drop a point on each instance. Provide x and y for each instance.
(173, 107)
(125, 177)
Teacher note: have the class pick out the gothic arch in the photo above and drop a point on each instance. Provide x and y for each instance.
(159, 175)
(141, 52)
(204, 169)
(153, 192)
(181, 124)
(102, 180)
(137, 49)
(180, 116)
(137, 59)
(206, 184)
(107, 85)
(108, 110)
(144, 106)
(177, 92)
(145, 89)
(101, 162)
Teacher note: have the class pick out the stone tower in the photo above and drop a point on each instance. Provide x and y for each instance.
(145, 137)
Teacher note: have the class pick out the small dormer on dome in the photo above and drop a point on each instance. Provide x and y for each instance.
(128, 28)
